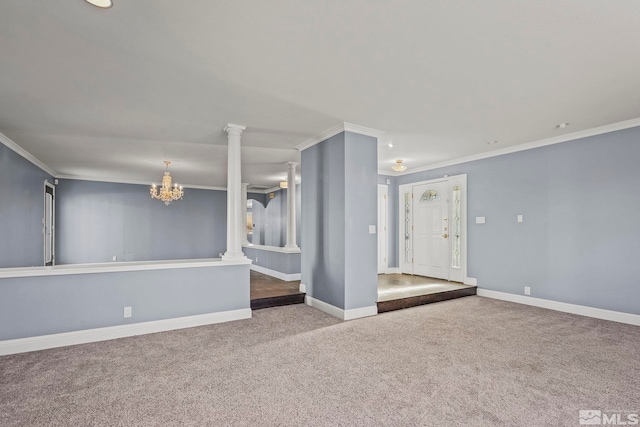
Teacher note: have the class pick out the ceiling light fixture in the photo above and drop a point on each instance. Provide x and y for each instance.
(562, 125)
(399, 167)
(492, 142)
(103, 4)
(390, 145)
(167, 194)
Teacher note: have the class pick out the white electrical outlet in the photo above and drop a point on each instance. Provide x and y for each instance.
(520, 218)
(127, 312)
(527, 290)
(372, 229)
(256, 259)
(115, 258)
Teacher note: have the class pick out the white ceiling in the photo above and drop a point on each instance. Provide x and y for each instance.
(110, 94)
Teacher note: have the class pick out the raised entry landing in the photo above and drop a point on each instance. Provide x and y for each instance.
(398, 291)
(395, 291)
(267, 291)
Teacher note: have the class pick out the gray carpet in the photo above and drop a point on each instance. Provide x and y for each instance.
(468, 362)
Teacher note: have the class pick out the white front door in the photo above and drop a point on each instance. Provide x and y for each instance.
(382, 228)
(431, 230)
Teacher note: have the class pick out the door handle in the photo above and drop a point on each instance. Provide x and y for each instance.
(445, 235)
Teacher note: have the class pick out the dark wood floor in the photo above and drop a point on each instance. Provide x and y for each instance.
(267, 291)
(263, 286)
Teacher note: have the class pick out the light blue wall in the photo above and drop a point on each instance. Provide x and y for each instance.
(277, 261)
(97, 220)
(270, 218)
(275, 219)
(21, 210)
(323, 208)
(361, 201)
(257, 211)
(339, 256)
(34, 306)
(262, 198)
(257, 215)
(579, 242)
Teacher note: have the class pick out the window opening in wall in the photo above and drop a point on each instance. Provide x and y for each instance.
(455, 226)
(48, 223)
(407, 227)
(429, 196)
(249, 223)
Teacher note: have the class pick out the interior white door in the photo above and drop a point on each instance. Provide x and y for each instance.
(431, 230)
(383, 214)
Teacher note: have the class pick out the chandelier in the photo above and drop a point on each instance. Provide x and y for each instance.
(399, 167)
(166, 194)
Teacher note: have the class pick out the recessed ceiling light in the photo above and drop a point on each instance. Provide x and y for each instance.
(562, 125)
(390, 145)
(492, 142)
(104, 4)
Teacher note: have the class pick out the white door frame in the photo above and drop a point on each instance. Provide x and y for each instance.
(406, 262)
(51, 225)
(383, 227)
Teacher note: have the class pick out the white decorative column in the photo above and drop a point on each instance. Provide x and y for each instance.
(291, 207)
(243, 221)
(234, 195)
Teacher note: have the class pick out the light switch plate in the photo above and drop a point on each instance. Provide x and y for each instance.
(479, 220)
(520, 218)
(372, 229)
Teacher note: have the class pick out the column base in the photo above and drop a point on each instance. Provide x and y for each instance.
(291, 248)
(236, 256)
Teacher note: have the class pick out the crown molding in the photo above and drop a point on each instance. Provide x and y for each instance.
(6, 141)
(272, 190)
(266, 190)
(627, 124)
(353, 128)
(134, 182)
(334, 130)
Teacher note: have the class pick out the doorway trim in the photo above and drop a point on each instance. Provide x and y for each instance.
(383, 227)
(405, 228)
(49, 224)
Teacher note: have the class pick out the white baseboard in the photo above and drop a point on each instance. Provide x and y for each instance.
(22, 345)
(303, 288)
(582, 310)
(354, 313)
(393, 270)
(471, 281)
(277, 274)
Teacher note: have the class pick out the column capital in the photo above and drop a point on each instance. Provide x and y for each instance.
(292, 164)
(230, 128)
